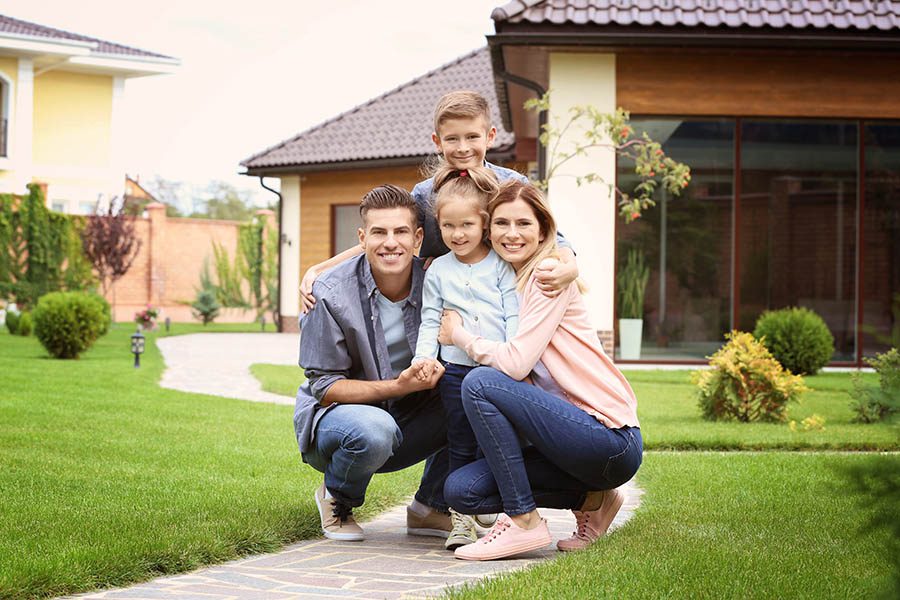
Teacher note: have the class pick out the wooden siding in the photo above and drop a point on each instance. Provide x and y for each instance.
(759, 84)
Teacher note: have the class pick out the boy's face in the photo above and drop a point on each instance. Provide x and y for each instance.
(464, 142)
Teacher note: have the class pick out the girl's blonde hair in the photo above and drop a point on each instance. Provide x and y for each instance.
(513, 190)
(477, 183)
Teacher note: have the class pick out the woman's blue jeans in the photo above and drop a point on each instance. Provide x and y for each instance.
(571, 452)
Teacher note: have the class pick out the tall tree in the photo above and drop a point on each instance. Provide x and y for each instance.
(110, 244)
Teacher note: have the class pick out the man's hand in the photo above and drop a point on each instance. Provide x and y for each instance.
(307, 300)
(553, 276)
(450, 320)
(410, 382)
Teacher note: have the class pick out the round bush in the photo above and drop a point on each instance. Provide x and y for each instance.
(26, 324)
(68, 323)
(12, 322)
(107, 311)
(797, 337)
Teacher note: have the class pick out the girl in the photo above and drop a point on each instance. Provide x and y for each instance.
(580, 415)
(474, 281)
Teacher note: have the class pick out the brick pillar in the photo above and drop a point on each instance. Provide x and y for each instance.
(156, 286)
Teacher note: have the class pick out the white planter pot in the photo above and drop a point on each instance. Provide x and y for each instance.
(630, 338)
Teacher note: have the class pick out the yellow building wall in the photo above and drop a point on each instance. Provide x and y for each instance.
(72, 120)
(9, 66)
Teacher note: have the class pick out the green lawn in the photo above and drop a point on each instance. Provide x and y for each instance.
(108, 479)
(725, 525)
(670, 417)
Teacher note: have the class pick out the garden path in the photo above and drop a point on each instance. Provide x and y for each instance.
(389, 564)
(219, 363)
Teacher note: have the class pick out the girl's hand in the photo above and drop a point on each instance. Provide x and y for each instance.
(450, 320)
(553, 276)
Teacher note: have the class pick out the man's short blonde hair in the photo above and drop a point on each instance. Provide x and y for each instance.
(462, 104)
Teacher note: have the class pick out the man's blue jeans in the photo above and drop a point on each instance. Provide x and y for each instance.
(355, 441)
(571, 452)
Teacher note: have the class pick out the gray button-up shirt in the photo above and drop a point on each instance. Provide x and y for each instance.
(342, 337)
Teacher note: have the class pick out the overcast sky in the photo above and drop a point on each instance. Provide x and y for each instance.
(256, 72)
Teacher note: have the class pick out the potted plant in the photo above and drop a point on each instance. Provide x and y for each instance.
(632, 283)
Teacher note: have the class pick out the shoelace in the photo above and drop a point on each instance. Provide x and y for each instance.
(499, 527)
(458, 520)
(341, 511)
(581, 523)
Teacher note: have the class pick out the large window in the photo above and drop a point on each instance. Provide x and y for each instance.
(346, 223)
(771, 219)
(881, 254)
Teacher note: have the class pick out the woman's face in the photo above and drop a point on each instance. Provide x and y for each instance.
(515, 232)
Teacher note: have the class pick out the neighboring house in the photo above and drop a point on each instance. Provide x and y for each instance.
(326, 170)
(61, 111)
(787, 112)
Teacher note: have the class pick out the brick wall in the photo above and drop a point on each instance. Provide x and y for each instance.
(167, 269)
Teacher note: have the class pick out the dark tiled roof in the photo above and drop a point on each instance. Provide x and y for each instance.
(395, 125)
(781, 14)
(17, 26)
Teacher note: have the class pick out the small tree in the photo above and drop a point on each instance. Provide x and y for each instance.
(110, 244)
(611, 131)
(205, 308)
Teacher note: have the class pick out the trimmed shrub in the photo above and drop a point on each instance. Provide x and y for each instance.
(205, 307)
(68, 323)
(107, 311)
(797, 337)
(26, 324)
(745, 383)
(12, 321)
(871, 405)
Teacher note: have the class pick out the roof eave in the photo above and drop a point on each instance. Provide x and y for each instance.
(501, 154)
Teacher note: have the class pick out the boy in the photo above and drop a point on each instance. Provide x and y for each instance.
(462, 135)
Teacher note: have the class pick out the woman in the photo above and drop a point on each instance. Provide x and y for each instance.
(577, 421)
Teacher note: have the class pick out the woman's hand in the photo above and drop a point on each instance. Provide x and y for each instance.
(553, 276)
(307, 300)
(450, 320)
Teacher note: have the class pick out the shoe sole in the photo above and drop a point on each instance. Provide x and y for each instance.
(339, 537)
(427, 532)
(508, 551)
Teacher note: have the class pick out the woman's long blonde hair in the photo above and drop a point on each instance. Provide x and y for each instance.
(513, 190)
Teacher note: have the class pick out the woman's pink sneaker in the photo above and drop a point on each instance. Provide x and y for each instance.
(506, 539)
(593, 524)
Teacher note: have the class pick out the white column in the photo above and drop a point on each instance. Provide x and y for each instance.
(117, 139)
(586, 214)
(290, 247)
(23, 130)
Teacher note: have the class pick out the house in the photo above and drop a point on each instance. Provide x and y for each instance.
(61, 109)
(787, 113)
(326, 170)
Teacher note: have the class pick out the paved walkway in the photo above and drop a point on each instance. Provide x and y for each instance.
(388, 564)
(219, 363)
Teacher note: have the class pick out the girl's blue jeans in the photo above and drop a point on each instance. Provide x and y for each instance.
(570, 452)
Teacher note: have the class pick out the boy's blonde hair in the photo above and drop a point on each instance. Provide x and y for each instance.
(477, 183)
(462, 104)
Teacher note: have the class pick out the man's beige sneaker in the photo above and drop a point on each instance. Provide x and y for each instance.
(337, 519)
(486, 520)
(593, 524)
(463, 531)
(434, 523)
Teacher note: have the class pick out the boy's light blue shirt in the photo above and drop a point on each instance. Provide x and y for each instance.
(484, 295)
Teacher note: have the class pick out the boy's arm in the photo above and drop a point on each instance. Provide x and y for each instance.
(554, 280)
(307, 300)
(432, 305)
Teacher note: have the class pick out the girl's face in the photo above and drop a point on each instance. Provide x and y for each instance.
(515, 232)
(462, 229)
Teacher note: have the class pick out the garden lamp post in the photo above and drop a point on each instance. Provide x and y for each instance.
(137, 347)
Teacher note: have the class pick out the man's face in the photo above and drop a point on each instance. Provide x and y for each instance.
(464, 142)
(390, 237)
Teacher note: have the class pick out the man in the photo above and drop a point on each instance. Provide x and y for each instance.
(362, 409)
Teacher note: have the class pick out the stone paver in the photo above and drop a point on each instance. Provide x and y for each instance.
(219, 363)
(388, 564)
